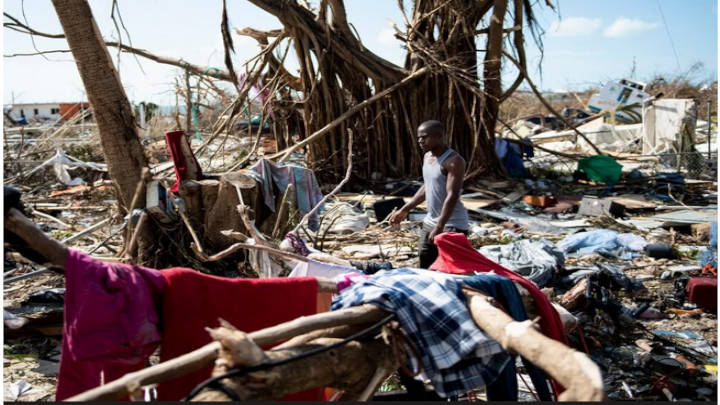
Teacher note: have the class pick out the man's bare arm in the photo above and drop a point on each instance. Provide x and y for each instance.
(403, 212)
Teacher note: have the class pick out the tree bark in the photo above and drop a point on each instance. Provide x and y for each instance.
(123, 152)
(338, 74)
(492, 86)
(348, 367)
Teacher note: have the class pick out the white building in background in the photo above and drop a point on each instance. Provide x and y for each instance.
(37, 111)
(45, 111)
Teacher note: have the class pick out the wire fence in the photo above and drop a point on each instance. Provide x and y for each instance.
(692, 165)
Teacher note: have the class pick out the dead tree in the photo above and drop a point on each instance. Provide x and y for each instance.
(337, 73)
(124, 154)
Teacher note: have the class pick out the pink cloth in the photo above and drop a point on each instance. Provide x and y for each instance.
(346, 280)
(111, 322)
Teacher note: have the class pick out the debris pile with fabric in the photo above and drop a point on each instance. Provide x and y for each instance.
(260, 250)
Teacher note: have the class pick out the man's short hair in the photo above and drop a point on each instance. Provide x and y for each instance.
(433, 127)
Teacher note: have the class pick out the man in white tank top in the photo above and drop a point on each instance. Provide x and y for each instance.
(443, 172)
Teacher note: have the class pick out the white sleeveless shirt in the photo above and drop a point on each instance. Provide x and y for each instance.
(436, 192)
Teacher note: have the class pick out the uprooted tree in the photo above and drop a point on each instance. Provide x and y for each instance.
(341, 86)
(440, 80)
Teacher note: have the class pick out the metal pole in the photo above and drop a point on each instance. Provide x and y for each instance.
(709, 106)
(86, 231)
(24, 276)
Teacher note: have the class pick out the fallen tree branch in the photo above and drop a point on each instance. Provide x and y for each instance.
(336, 189)
(346, 367)
(347, 114)
(13, 55)
(18, 26)
(51, 249)
(238, 246)
(576, 372)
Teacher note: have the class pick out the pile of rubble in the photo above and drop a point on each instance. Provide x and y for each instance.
(625, 241)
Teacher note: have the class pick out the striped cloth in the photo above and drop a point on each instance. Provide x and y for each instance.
(432, 311)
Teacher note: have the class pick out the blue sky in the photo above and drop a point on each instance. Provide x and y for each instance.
(586, 43)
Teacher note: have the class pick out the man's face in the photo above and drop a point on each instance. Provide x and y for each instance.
(427, 141)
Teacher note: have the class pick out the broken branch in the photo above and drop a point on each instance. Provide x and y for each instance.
(358, 107)
(336, 189)
(577, 373)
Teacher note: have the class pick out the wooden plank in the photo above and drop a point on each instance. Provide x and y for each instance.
(634, 201)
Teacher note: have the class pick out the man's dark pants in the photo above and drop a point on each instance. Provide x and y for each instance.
(427, 250)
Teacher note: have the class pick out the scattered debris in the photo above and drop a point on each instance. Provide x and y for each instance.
(610, 208)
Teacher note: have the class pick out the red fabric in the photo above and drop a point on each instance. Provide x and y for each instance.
(110, 322)
(186, 166)
(194, 301)
(457, 256)
(703, 292)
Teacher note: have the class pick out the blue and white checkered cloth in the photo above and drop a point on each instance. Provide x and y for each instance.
(432, 311)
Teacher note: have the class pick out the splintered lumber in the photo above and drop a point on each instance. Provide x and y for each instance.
(574, 370)
(574, 297)
(206, 355)
(87, 231)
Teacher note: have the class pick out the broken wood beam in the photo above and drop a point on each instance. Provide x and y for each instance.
(68, 207)
(574, 298)
(49, 217)
(86, 231)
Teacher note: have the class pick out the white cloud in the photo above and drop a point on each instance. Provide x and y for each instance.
(387, 36)
(574, 27)
(622, 27)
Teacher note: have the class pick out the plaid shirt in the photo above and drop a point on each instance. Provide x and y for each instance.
(432, 311)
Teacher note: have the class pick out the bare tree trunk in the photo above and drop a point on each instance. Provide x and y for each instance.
(337, 73)
(123, 152)
(491, 86)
